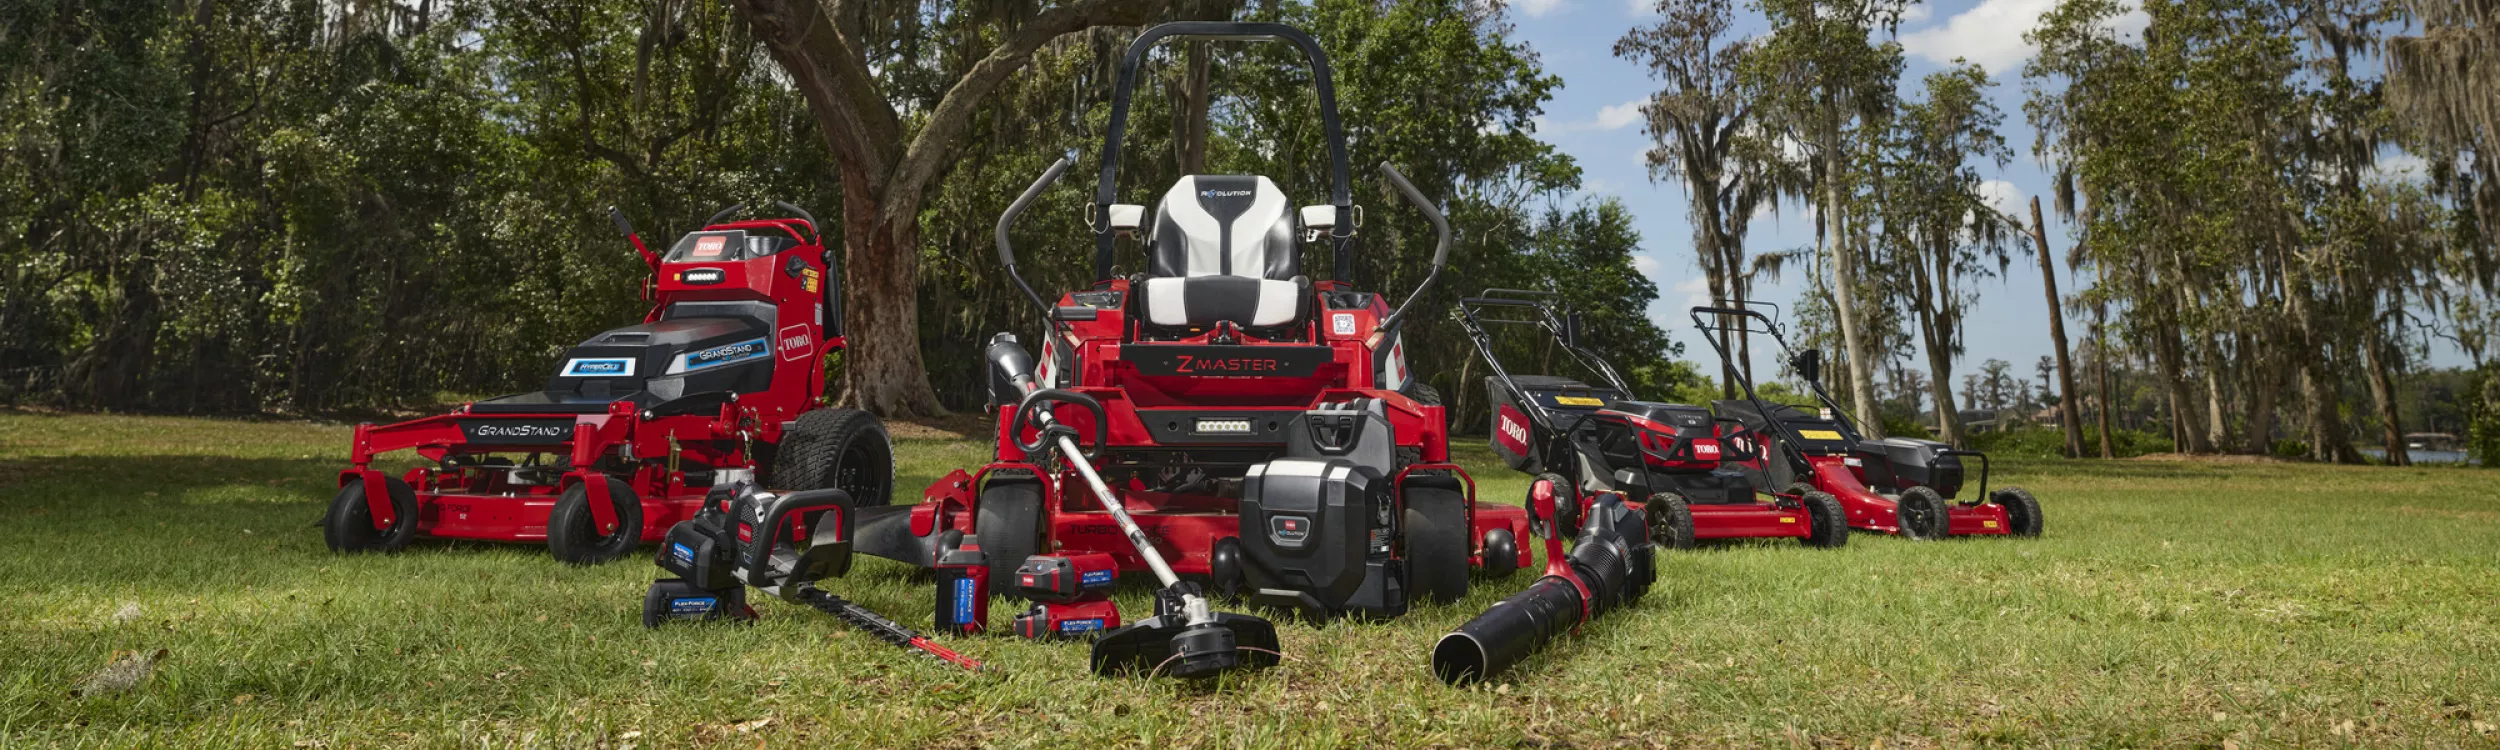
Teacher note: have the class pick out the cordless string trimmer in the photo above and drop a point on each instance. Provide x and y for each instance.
(1186, 638)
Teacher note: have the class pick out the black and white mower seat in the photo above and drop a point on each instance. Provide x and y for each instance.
(1223, 249)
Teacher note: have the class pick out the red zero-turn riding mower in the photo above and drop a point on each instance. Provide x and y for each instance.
(1893, 486)
(727, 372)
(1589, 442)
(1219, 416)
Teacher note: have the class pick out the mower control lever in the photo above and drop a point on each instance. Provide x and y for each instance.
(1006, 249)
(627, 228)
(733, 209)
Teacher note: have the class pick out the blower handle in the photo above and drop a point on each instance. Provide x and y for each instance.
(626, 228)
(1007, 249)
(1440, 251)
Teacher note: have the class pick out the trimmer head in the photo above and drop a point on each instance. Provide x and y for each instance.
(1169, 645)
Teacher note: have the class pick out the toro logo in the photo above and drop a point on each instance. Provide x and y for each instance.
(1289, 531)
(795, 343)
(1510, 428)
(1705, 450)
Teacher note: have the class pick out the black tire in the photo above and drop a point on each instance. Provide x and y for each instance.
(573, 535)
(1436, 543)
(1920, 513)
(1009, 527)
(1566, 507)
(349, 526)
(2022, 511)
(1670, 521)
(1827, 525)
(1501, 554)
(837, 449)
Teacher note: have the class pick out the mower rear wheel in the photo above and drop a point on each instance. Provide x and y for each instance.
(2022, 511)
(1009, 527)
(1827, 526)
(1566, 507)
(1920, 513)
(573, 535)
(349, 526)
(837, 449)
(1436, 543)
(1670, 521)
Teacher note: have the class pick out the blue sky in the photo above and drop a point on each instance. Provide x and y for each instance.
(1595, 118)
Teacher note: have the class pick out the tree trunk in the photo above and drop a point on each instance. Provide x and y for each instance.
(1844, 306)
(1190, 137)
(2383, 392)
(2067, 412)
(882, 370)
(2263, 382)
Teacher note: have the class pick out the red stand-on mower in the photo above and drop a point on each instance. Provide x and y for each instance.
(1220, 416)
(1589, 442)
(1892, 485)
(726, 373)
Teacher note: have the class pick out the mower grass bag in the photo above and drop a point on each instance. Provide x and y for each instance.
(1588, 442)
(1897, 485)
(726, 372)
(1218, 416)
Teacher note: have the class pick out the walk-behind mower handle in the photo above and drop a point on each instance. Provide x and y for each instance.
(1440, 250)
(1007, 249)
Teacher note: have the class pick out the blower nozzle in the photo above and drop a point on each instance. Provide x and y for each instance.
(1612, 566)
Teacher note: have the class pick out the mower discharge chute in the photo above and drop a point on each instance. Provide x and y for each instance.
(1593, 441)
(1892, 485)
(1220, 418)
(725, 373)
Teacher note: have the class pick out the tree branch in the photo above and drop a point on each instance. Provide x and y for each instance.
(939, 140)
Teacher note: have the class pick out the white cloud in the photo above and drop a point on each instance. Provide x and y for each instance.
(1645, 264)
(2002, 196)
(1695, 289)
(2399, 167)
(1538, 8)
(1609, 117)
(1991, 34)
(1916, 13)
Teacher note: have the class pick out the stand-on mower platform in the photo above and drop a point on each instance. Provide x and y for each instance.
(1220, 416)
(726, 372)
(1893, 485)
(1588, 442)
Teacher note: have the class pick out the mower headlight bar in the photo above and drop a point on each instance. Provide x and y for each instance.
(1222, 426)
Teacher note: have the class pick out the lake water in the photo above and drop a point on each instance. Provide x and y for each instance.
(2425, 457)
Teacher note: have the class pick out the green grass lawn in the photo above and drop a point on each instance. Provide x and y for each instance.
(2168, 604)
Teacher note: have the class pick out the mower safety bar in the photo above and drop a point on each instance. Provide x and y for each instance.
(725, 213)
(1440, 250)
(1006, 248)
(1323, 82)
(801, 213)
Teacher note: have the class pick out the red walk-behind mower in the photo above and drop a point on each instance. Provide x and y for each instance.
(725, 374)
(1220, 416)
(1892, 485)
(1590, 442)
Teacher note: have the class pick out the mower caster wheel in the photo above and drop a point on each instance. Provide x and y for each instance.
(1921, 514)
(674, 600)
(2022, 511)
(573, 535)
(1436, 542)
(349, 525)
(1501, 553)
(1827, 526)
(1008, 523)
(1670, 521)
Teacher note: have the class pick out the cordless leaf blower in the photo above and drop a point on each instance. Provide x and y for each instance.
(780, 544)
(1611, 567)
(1186, 638)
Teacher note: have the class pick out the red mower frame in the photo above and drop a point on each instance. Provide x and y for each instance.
(1219, 397)
(636, 462)
(1896, 486)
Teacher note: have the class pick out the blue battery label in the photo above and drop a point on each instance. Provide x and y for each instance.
(1097, 577)
(1080, 626)
(965, 598)
(685, 554)
(693, 605)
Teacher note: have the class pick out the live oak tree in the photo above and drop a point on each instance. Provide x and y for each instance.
(1938, 230)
